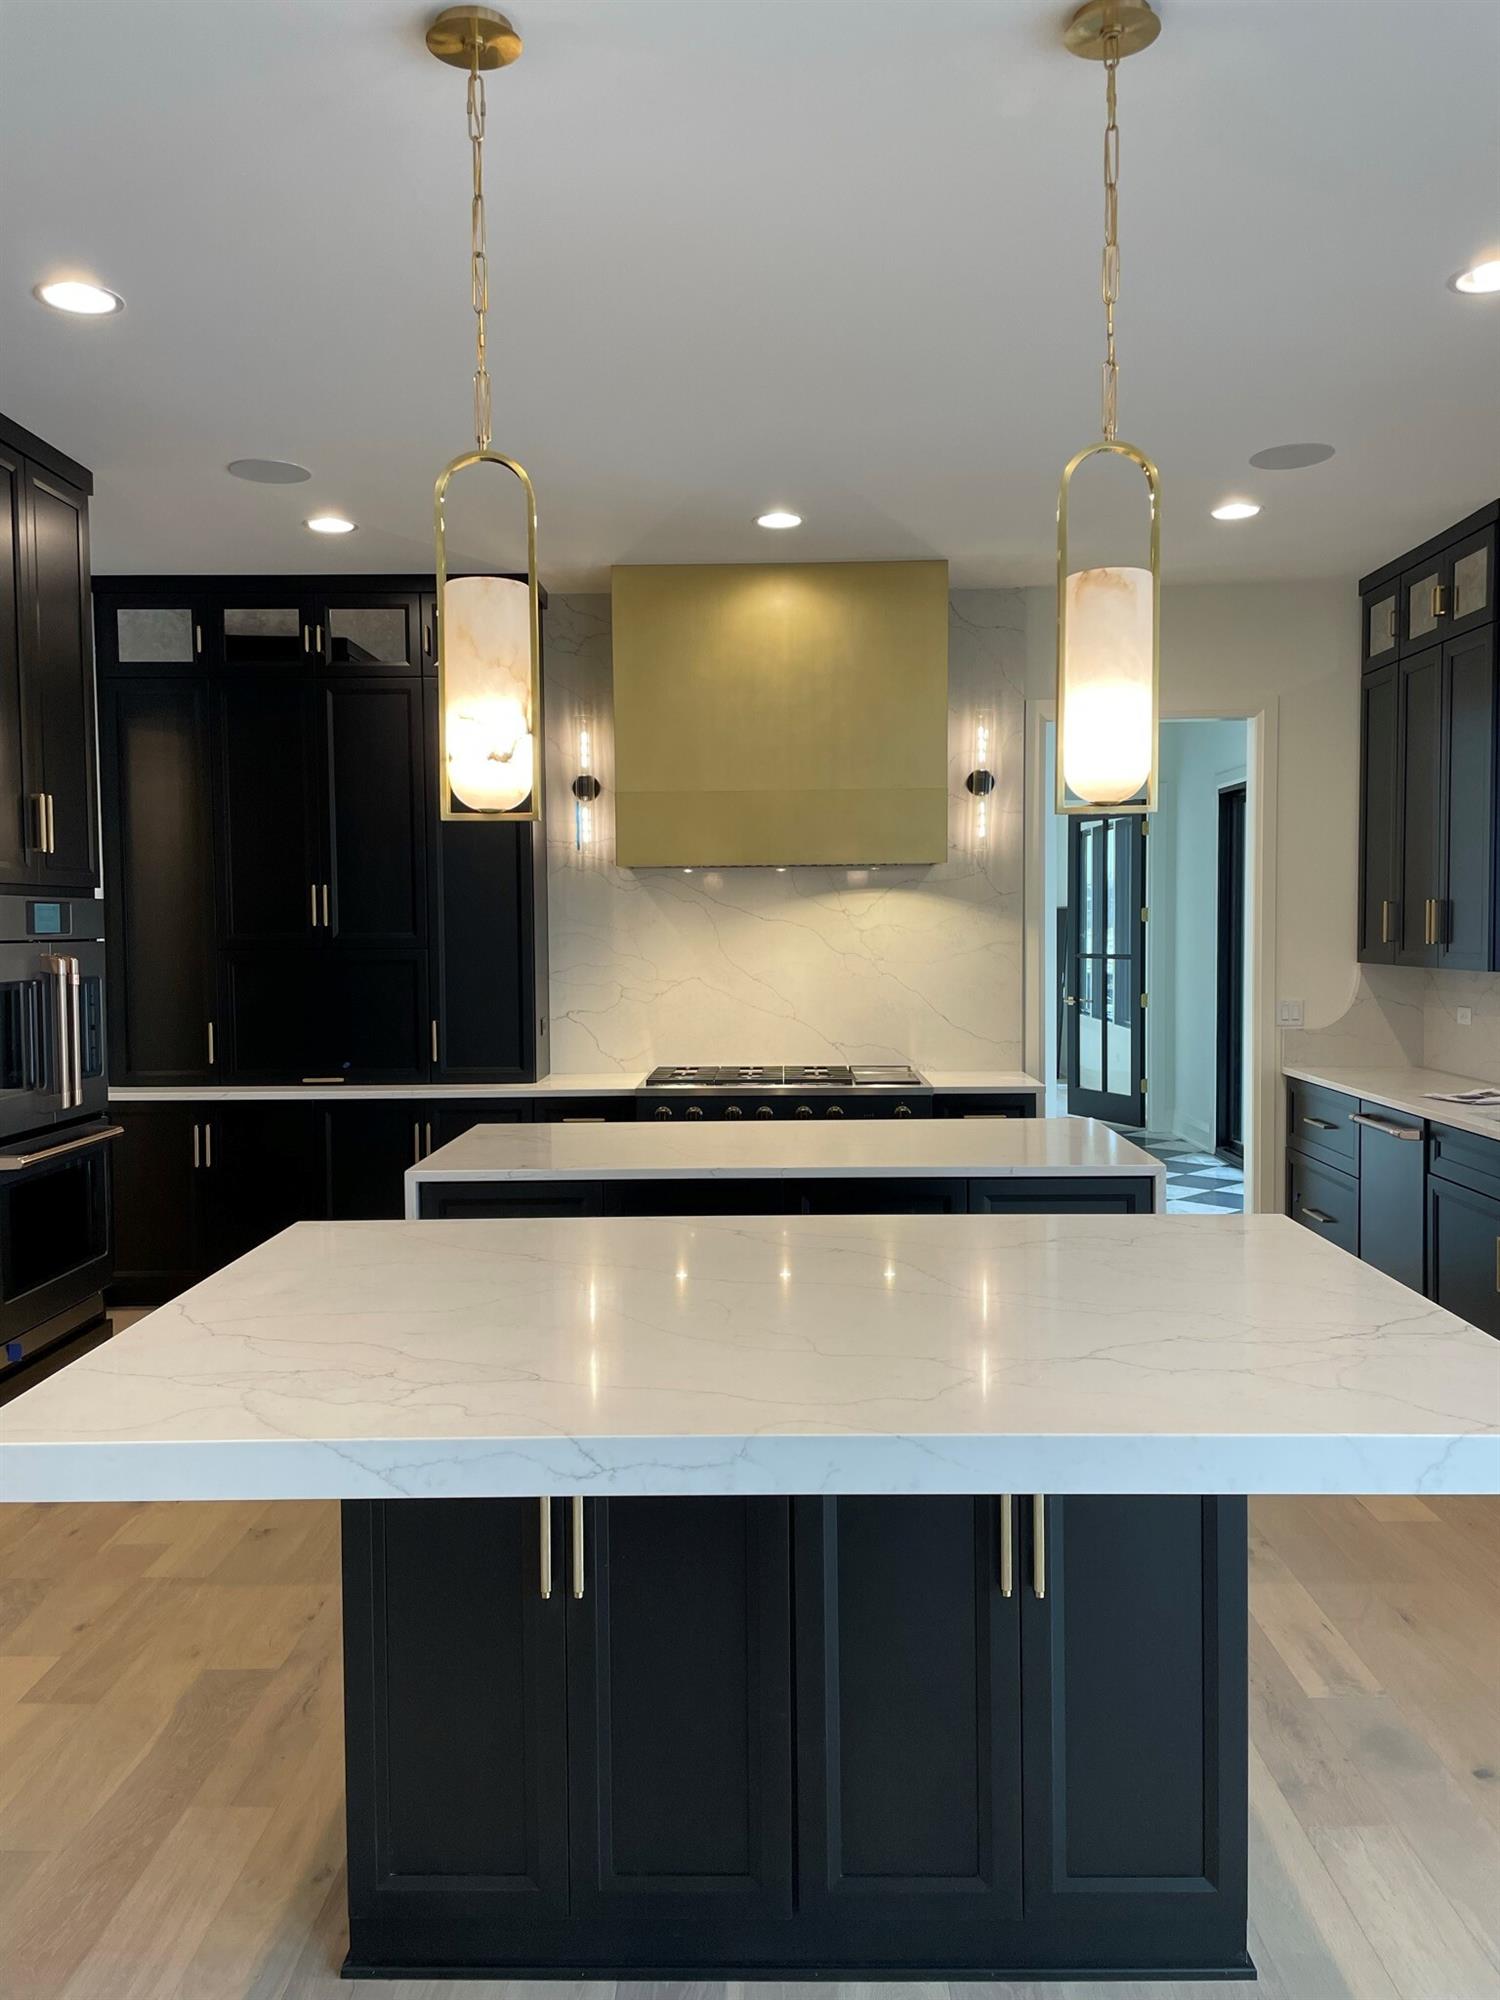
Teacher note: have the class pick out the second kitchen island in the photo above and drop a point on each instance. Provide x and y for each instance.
(971, 1166)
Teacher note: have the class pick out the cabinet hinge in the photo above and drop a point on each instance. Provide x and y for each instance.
(1143, 999)
(1145, 913)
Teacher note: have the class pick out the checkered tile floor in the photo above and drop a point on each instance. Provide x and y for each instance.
(1198, 1183)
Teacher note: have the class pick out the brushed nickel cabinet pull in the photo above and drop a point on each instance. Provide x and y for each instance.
(1319, 1124)
(312, 899)
(306, 640)
(434, 1040)
(318, 641)
(197, 641)
(210, 1044)
(51, 823)
(326, 924)
(577, 1524)
(1386, 1125)
(197, 1145)
(208, 1142)
(1039, 1544)
(1007, 1545)
(429, 1135)
(1439, 599)
(1316, 1214)
(1385, 922)
(416, 1142)
(544, 1549)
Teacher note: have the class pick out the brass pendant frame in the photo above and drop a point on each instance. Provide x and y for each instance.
(533, 810)
(1065, 803)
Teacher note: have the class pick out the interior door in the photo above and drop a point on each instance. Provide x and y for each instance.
(1106, 1031)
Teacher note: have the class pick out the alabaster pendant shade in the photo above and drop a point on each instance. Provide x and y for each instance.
(487, 692)
(1106, 688)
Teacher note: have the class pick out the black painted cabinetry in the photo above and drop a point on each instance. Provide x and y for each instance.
(720, 1195)
(827, 1735)
(284, 903)
(49, 829)
(1429, 817)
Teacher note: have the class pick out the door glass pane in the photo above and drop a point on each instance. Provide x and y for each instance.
(1118, 885)
(1088, 902)
(258, 634)
(1090, 1026)
(1120, 1023)
(146, 637)
(1420, 615)
(1471, 583)
(368, 635)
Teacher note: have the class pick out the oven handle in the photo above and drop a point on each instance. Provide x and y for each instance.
(75, 987)
(57, 966)
(13, 1163)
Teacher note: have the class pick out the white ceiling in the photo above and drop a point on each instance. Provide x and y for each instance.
(838, 255)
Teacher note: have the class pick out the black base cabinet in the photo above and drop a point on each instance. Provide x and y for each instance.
(872, 1195)
(804, 1738)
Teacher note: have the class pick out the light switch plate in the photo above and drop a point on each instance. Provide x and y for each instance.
(1466, 1017)
(1289, 1013)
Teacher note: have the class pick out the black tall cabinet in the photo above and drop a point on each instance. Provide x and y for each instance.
(49, 827)
(1429, 803)
(285, 904)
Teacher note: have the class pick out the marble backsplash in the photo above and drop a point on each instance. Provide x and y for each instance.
(1400, 1015)
(798, 965)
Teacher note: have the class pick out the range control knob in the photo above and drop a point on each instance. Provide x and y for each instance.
(835, 1111)
(804, 1111)
(764, 1111)
(733, 1111)
(695, 1111)
(903, 1111)
(662, 1111)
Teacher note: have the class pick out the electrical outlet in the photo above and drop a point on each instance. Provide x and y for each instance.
(1466, 1017)
(1289, 1013)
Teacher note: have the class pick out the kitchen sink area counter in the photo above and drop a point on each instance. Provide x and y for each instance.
(1409, 1091)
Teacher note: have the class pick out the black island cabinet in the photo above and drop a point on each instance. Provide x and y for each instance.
(869, 1736)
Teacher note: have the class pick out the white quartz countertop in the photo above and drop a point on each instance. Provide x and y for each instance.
(799, 1354)
(1407, 1090)
(785, 1149)
(602, 1083)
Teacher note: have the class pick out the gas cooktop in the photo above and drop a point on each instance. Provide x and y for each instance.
(785, 1076)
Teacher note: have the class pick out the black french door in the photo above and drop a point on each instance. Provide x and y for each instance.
(1106, 970)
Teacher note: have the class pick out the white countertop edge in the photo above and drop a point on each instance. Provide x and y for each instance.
(898, 1170)
(1011, 1083)
(620, 1467)
(1406, 1091)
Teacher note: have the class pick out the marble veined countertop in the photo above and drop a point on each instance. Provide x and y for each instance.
(785, 1149)
(798, 1354)
(601, 1083)
(1407, 1090)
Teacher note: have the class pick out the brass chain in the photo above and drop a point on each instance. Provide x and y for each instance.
(1109, 281)
(478, 255)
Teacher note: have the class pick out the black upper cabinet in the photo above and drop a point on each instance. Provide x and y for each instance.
(159, 885)
(1428, 777)
(153, 629)
(368, 631)
(270, 849)
(1379, 816)
(50, 836)
(376, 875)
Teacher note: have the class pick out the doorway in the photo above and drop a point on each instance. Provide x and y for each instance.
(1105, 968)
(1229, 1131)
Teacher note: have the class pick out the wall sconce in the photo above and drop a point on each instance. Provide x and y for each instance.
(981, 780)
(586, 788)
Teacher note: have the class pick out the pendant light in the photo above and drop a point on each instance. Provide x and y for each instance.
(489, 628)
(1109, 620)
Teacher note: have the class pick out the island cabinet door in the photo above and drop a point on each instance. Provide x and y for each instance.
(457, 1727)
(1135, 1718)
(908, 1712)
(679, 1710)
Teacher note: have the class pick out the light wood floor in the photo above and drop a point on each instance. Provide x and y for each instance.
(170, 1793)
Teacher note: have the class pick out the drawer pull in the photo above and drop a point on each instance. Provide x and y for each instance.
(1316, 1214)
(1008, 1524)
(576, 1512)
(1385, 922)
(1387, 1125)
(1039, 1545)
(544, 1549)
(1319, 1124)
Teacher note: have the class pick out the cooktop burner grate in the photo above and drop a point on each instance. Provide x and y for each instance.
(782, 1076)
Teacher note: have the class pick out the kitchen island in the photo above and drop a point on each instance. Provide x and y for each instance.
(978, 1166)
(776, 1596)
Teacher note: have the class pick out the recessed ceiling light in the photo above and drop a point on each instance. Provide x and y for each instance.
(75, 295)
(1479, 278)
(268, 471)
(1236, 510)
(778, 518)
(330, 524)
(1290, 457)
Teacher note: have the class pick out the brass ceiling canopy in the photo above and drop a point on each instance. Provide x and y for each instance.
(1133, 24)
(458, 31)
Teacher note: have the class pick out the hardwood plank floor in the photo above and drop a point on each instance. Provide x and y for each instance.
(171, 1789)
